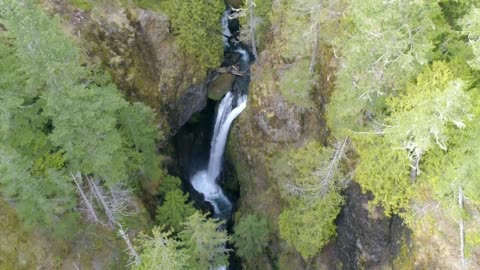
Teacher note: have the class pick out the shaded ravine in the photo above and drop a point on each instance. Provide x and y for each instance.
(200, 144)
(205, 181)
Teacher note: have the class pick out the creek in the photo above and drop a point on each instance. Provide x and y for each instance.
(201, 142)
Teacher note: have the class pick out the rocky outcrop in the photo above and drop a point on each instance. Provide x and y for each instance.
(140, 52)
(271, 124)
(166, 78)
(366, 239)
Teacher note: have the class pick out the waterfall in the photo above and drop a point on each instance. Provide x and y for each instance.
(226, 30)
(205, 181)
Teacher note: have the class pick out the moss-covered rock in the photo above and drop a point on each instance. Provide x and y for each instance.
(270, 124)
(141, 54)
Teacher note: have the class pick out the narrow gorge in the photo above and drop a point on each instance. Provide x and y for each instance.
(239, 134)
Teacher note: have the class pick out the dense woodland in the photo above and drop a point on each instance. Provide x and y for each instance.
(403, 118)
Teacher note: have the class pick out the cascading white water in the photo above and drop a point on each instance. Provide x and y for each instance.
(205, 181)
(226, 31)
(244, 54)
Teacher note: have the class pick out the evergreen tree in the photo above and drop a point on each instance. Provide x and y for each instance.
(251, 236)
(383, 169)
(204, 242)
(310, 179)
(194, 23)
(175, 210)
(58, 118)
(161, 252)
(471, 27)
(419, 117)
(309, 227)
(384, 46)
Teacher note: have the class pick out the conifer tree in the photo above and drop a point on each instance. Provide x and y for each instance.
(204, 242)
(251, 236)
(175, 210)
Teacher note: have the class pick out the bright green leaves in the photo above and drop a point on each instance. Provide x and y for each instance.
(309, 227)
(195, 23)
(56, 117)
(161, 252)
(204, 242)
(200, 245)
(308, 172)
(419, 120)
(384, 170)
(310, 179)
(419, 117)
(386, 45)
(251, 236)
(33, 34)
(471, 28)
(84, 123)
(175, 210)
(296, 84)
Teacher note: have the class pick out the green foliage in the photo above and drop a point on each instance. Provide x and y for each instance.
(175, 210)
(310, 179)
(471, 27)
(447, 171)
(456, 9)
(385, 45)
(261, 20)
(148, 4)
(41, 199)
(195, 23)
(309, 227)
(58, 118)
(419, 117)
(204, 242)
(296, 84)
(138, 130)
(161, 252)
(418, 121)
(251, 236)
(82, 4)
(304, 171)
(384, 170)
(169, 183)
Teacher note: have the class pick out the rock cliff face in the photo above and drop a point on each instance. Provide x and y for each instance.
(269, 125)
(139, 51)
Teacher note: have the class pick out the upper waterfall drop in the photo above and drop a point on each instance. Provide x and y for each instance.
(226, 33)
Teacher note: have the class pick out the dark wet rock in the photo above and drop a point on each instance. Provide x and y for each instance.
(366, 240)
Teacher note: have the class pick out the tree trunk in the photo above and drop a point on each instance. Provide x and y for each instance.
(252, 31)
(461, 227)
(315, 49)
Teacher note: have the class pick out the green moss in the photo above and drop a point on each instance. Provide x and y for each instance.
(85, 5)
(148, 4)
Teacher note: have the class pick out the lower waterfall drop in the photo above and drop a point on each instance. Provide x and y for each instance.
(205, 181)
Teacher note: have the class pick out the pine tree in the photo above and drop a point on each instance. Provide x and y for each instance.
(384, 46)
(161, 252)
(175, 210)
(204, 242)
(194, 23)
(57, 117)
(309, 227)
(251, 236)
